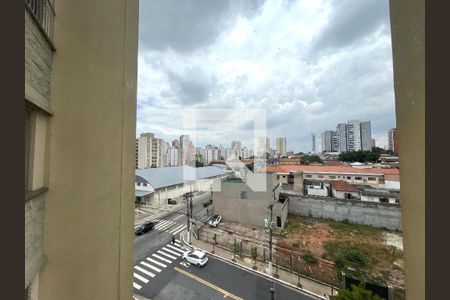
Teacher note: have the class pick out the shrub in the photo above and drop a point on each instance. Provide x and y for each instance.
(309, 258)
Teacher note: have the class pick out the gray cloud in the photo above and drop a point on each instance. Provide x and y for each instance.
(351, 21)
(257, 54)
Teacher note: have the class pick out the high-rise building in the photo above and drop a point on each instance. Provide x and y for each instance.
(184, 149)
(173, 158)
(353, 135)
(373, 143)
(175, 143)
(341, 132)
(392, 140)
(263, 145)
(281, 146)
(313, 142)
(151, 151)
(327, 141)
(366, 136)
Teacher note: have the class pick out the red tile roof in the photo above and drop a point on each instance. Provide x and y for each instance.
(330, 169)
(343, 186)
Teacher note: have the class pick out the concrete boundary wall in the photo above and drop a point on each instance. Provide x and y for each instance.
(382, 215)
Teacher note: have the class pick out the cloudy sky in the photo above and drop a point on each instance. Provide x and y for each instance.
(308, 64)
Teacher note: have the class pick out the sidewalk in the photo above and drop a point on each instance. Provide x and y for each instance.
(321, 291)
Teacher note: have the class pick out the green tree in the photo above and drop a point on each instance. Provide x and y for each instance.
(358, 292)
(359, 156)
(308, 159)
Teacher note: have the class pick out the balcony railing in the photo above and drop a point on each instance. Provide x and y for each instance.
(44, 14)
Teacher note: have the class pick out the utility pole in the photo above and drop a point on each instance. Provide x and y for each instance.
(270, 239)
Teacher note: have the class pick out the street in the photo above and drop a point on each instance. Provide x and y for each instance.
(159, 272)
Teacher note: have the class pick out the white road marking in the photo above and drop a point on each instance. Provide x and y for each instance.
(181, 229)
(175, 248)
(166, 226)
(150, 266)
(156, 262)
(173, 230)
(144, 271)
(143, 279)
(177, 217)
(178, 244)
(136, 286)
(165, 254)
(161, 224)
(161, 258)
(171, 251)
(177, 240)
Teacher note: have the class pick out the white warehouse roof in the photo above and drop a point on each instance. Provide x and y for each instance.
(164, 177)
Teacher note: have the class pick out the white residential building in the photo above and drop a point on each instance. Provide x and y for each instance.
(281, 146)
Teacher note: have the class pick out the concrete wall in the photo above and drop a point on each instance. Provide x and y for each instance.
(252, 210)
(392, 200)
(365, 213)
(34, 237)
(38, 65)
(89, 213)
(341, 194)
(408, 48)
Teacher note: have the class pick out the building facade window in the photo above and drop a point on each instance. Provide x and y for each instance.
(320, 176)
(332, 177)
(36, 144)
(308, 176)
(358, 178)
(371, 179)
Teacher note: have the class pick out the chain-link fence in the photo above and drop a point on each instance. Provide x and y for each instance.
(301, 263)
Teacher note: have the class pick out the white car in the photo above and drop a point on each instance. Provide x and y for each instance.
(215, 220)
(195, 257)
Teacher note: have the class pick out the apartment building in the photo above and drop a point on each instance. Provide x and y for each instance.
(313, 142)
(327, 141)
(79, 63)
(263, 145)
(392, 140)
(281, 146)
(152, 152)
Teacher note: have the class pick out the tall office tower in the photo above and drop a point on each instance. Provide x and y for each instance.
(175, 144)
(373, 143)
(366, 136)
(341, 131)
(327, 141)
(281, 146)
(313, 142)
(184, 149)
(392, 140)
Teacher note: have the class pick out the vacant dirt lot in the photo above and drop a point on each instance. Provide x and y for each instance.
(359, 250)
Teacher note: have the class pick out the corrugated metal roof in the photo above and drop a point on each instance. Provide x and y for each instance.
(139, 193)
(164, 177)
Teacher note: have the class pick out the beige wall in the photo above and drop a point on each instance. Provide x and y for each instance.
(408, 43)
(89, 209)
(252, 210)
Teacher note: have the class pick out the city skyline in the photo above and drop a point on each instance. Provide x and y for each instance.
(308, 80)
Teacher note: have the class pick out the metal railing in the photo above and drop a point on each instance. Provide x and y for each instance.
(44, 14)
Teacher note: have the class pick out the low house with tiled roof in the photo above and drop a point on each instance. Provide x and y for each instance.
(374, 177)
(343, 190)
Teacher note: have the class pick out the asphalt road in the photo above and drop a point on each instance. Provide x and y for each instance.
(161, 274)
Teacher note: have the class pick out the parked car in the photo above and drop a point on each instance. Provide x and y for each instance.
(215, 220)
(195, 257)
(171, 201)
(143, 228)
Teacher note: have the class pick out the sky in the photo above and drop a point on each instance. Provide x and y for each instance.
(308, 65)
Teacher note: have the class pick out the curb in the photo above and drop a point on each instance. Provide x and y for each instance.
(251, 270)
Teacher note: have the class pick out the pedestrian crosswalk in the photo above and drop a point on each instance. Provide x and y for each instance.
(169, 226)
(155, 263)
